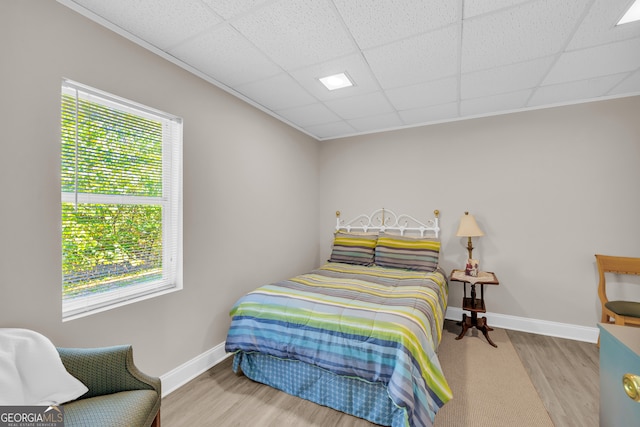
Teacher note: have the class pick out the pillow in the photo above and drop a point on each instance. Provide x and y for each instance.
(32, 372)
(353, 248)
(409, 253)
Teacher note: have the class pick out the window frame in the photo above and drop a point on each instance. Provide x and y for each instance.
(170, 201)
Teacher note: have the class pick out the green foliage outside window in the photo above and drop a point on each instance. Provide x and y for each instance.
(111, 215)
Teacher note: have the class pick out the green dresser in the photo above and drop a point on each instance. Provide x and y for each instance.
(619, 376)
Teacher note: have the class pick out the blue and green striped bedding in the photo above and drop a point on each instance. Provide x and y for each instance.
(381, 325)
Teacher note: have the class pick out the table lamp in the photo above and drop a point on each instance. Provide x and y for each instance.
(469, 228)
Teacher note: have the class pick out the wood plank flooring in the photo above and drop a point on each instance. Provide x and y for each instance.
(566, 375)
(564, 372)
(221, 398)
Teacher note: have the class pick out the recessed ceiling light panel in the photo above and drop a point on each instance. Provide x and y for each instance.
(633, 14)
(336, 81)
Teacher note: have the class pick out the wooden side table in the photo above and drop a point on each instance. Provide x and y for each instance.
(473, 304)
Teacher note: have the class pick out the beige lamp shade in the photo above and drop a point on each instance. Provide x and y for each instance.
(468, 227)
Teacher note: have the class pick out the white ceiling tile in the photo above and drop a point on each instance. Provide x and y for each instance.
(597, 61)
(496, 103)
(376, 22)
(297, 34)
(370, 104)
(371, 123)
(599, 26)
(330, 130)
(226, 56)
(424, 94)
(353, 65)
(479, 7)
(509, 78)
(231, 8)
(415, 60)
(277, 93)
(531, 30)
(580, 90)
(309, 115)
(431, 114)
(630, 85)
(162, 23)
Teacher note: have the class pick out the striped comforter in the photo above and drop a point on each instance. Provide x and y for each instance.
(374, 323)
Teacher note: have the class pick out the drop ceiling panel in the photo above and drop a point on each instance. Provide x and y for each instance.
(370, 104)
(277, 93)
(508, 78)
(630, 85)
(529, 31)
(392, 20)
(161, 23)
(330, 130)
(226, 56)
(596, 61)
(373, 123)
(599, 25)
(424, 94)
(418, 59)
(431, 114)
(308, 115)
(488, 104)
(564, 92)
(413, 62)
(479, 7)
(300, 33)
(232, 8)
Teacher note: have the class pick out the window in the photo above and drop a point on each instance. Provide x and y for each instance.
(121, 183)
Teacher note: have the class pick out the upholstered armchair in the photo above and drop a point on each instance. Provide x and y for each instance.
(119, 394)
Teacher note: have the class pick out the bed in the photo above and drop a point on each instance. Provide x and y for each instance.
(358, 334)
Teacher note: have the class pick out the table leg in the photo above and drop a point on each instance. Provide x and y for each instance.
(482, 325)
(466, 324)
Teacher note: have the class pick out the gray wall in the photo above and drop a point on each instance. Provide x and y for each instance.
(550, 188)
(250, 188)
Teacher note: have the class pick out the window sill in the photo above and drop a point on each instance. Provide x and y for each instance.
(74, 313)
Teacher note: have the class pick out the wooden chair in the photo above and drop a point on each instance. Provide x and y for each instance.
(622, 312)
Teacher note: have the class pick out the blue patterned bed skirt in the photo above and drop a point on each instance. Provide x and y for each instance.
(346, 394)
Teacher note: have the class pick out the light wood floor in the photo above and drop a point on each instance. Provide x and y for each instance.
(564, 372)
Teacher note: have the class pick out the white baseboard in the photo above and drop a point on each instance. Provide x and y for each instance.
(184, 373)
(534, 326)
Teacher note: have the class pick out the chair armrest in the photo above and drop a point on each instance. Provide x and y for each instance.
(107, 370)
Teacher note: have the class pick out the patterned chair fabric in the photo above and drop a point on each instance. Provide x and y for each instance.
(119, 393)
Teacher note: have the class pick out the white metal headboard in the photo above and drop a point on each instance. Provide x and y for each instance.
(386, 220)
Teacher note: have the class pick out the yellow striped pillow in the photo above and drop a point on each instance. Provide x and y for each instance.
(353, 248)
(405, 252)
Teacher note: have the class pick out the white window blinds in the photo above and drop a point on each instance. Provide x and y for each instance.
(121, 203)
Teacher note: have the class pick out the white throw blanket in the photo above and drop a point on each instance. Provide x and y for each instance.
(31, 372)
